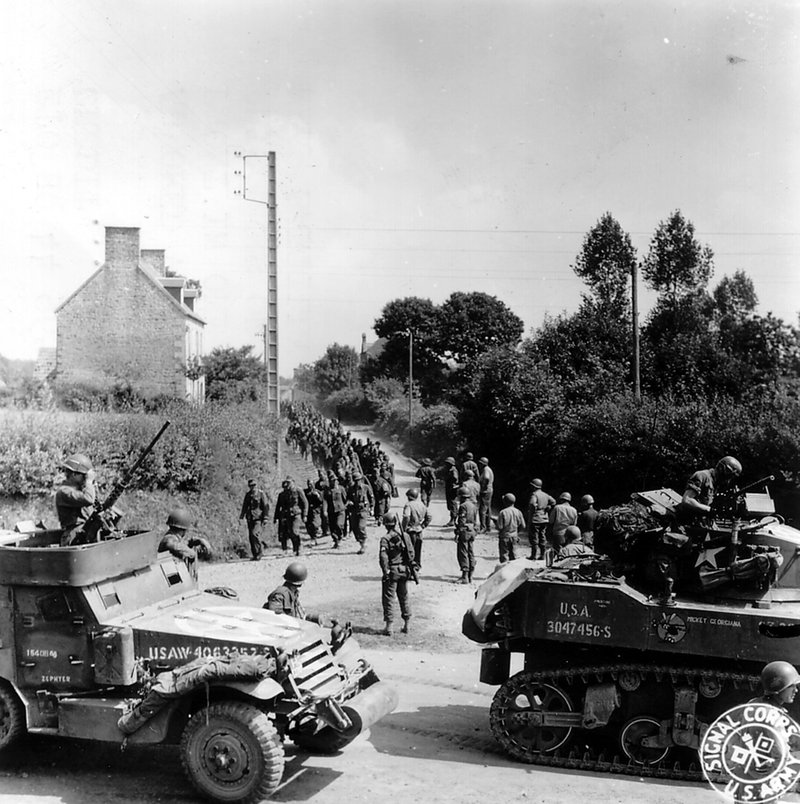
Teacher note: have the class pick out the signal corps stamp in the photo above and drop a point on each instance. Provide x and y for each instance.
(746, 756)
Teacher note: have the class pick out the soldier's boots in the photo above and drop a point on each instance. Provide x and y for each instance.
(405, 626)
(387, 631)
(464, 578)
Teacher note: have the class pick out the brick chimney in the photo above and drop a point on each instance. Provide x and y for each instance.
(122, 246)
(153, 258)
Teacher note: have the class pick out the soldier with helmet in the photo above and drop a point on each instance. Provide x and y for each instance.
(360, 504)
(396, 562)
(539, 506)
(427, 481)
(76, 498)
(586, 519)
(174, 540)
(779, 682)
(573, 543)
(509, 523)
(415, 519)
(466, 524)
(451, 483)
(702, 486)
(562, 515)
(285, 599)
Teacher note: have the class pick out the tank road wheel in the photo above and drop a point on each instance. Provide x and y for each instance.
(12, 716)
(517, 712)
(231, 752)
(631, 736)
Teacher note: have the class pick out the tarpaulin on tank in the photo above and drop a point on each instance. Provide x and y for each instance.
(499, 585)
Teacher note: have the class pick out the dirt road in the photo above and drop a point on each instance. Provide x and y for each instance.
(436, 747)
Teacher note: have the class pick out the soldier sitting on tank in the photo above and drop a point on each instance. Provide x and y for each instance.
(696, 510)
(574, 544)
(174, 541)
(285, 599)
(75, 499)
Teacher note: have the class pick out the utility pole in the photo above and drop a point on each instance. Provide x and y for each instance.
(263, 336)
(637, 389)
(271, 327)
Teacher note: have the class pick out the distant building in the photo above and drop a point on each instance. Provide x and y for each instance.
(132, 321)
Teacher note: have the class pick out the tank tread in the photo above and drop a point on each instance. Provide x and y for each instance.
(587, 760)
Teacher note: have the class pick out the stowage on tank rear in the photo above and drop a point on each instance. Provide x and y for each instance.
(621, 671)
(113, 641)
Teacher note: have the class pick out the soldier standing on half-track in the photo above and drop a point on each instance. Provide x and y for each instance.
(696, 503)
(75, 499)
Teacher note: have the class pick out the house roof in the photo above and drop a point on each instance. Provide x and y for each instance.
(152, 277)
(374, 349)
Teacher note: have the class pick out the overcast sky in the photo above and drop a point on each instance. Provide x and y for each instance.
(422, 147)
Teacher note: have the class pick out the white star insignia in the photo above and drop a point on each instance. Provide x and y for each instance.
(709, 557)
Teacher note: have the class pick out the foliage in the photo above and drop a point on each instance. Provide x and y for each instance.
(335, 370)
(348, 404)
(606, 262)
(676, 263)
(471, 324)
(234, 375)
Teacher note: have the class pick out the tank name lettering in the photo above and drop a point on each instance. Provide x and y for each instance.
(46, 653)
(570, 628)
(573, 610)
(715, 621)
(56, 679)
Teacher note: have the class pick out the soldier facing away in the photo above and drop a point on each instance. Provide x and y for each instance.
(415, 519)
(466, 523)
(509, 523)
(538, 516)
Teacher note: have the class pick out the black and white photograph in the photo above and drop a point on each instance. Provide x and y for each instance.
(399, 399)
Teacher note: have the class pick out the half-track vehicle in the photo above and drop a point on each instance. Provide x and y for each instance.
(629, 653)
(114, 641)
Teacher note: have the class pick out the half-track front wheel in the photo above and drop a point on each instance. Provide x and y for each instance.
(12, 716)
(231, 752)
(525, 717)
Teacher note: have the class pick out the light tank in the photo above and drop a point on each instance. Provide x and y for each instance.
(113, 641)
(630, 653)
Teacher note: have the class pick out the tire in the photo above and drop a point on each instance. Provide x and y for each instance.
(231, 752)
(12, 716)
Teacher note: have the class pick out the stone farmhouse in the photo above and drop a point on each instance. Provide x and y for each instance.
(132, 321)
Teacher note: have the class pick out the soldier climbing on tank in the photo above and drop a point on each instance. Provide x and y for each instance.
(76, 498)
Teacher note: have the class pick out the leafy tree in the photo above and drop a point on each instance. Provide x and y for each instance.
(336, 369)
(398, 317)
(234, 373)
(735, 298)
(606, 262)
(471, 324)
(676, 264)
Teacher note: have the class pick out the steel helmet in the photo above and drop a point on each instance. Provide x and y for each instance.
(778, 676)
(729, 465)
(412, 494)
(295, 573)
(571, 533)
(179, 518)
(536, 483)
(509, 499)
(468, 456)
(390, 520)
(451, 461)
(77, 463)
(483, 460)
(463, 491)
(566, 496)
(587, 499)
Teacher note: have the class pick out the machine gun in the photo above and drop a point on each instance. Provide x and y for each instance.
(102, 521)
(727, 504)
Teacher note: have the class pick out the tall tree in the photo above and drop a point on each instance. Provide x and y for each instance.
(234, 374)
(676, 263)
(606, 262)
(336, 369)
(471, 324)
